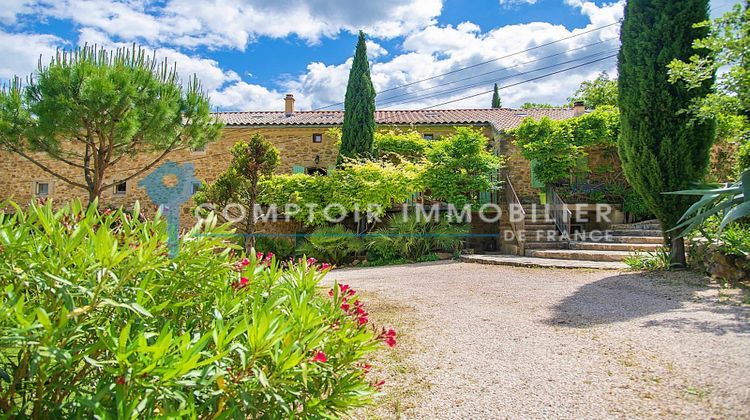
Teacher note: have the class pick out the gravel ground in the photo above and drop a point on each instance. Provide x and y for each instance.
(498, 342)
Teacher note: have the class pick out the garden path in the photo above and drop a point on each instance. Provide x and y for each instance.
(481, 341)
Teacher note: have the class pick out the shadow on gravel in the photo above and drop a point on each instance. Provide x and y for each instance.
(630, 296)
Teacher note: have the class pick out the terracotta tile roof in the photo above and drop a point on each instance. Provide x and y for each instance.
(500, 119)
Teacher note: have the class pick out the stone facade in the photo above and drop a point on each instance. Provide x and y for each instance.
(295, 144)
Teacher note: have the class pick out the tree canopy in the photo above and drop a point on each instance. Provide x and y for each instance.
(359, 107)
(660, 147)
(90, 108)
(728, 41)
(252, 162)
(595, 93)
(496, 101)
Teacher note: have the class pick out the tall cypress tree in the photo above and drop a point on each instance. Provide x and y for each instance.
(496, 102)
(660, 148)
(359, 107)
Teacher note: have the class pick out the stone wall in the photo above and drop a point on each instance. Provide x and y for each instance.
(518, 169)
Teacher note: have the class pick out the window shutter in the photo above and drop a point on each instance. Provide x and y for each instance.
(484, 197)
(296, 169)
(535, 181)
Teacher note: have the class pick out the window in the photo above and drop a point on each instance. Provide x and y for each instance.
(317, 138)
(316, 171)
(121, 188)
(41, 189)
(196, 186)
(427, 136)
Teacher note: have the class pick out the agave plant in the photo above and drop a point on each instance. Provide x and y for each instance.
(731, 200)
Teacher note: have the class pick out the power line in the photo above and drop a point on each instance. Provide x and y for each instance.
(486, 62)
(390, 98)
(524, 81)
(484, 82)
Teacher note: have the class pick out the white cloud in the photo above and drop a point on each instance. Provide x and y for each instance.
(511, 3)
(375, 50)
(13, 8)
(20, 53)
(234, 23)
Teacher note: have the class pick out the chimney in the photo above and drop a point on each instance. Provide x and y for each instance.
(289, 104)
(579, 108)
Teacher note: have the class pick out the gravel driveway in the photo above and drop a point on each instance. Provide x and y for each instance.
(494, 342)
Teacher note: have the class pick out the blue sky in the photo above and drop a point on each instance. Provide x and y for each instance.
(249, 53)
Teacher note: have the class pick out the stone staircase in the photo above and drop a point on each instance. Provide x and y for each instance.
(546, 247)
(619, 243)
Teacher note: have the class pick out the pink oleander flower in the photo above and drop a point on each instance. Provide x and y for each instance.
(325, 266)
(258, 256)
(240, 284)
(245, 262)
(345, 307)
(320, 357)
(311, 261)
(362, 320)
(379, 383)
(390, 341)
(366, 367)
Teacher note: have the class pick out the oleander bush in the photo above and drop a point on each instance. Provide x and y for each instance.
(97, 321)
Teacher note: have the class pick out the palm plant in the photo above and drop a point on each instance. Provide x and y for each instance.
(729, 201)
(332, 244)
(413, 237)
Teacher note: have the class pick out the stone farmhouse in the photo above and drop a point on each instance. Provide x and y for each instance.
(303, 142)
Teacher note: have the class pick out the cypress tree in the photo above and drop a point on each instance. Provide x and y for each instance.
(359, 107)
(660, 147)
(496, 102)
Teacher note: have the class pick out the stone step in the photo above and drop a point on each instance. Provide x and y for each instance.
(542, 236)
(639, 225)
(584, 255)
(604, 246)
(530, 262)
(637, 232)
(539, 226)
(546, 245)
(599, 237)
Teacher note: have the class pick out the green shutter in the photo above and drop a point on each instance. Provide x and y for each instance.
(535, 181)
(296, 169)
(484, 197)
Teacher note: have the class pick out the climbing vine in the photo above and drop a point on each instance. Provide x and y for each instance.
(557, 146)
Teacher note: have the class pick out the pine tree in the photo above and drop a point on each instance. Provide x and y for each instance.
(660, 148)
(496, 101)
(359, 107)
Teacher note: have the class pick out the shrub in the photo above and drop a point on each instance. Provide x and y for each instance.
(459, 168)
(283, 247)
(335, 243)
(413, 238)
(397, 145)
(658, 260)
(362, 186)
(96, 320)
